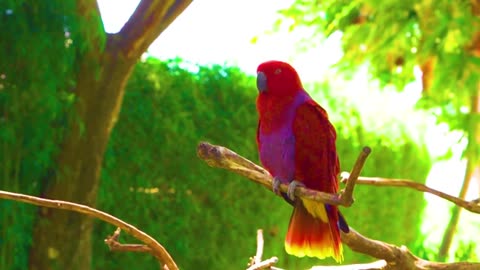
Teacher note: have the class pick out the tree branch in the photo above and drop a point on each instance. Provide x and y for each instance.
(114, 245)
(267, 264)
(472, 206)
(221, 157)
(347, 194)
(149, 20)
(259, 254)
(256, 262)
(381, 264)
(395, 257)
(156, 249)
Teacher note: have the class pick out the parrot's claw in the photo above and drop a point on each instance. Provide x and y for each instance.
(276, 186)
(291, 189)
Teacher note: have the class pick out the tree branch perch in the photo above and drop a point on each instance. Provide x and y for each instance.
(221, 157)
(391, 256)
(156, 249)
(472, 206)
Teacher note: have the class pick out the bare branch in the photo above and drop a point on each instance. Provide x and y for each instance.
(256, 262)
(374, 248)
(347, 194)
(221, 157)
(362, 266)
(472, 206)
(157, 250)
(267, 264)
(114, 245)
(259, 254)
(395, 257)
(149, 20)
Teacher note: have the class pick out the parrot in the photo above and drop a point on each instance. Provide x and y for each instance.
(296, 145)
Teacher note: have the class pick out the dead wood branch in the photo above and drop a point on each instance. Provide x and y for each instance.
(156, 249)
(256, 262)
(221, 157)
(472, 206)
(114, 245)
(259, 254)
(394, 257)
(398, 258)
(148, 21)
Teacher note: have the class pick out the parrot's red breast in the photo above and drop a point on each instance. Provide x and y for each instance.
(296, 141)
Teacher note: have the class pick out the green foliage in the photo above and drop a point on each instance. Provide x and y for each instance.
(34, 42)
(151, 163)
(394, 37)
(466, 252)
(207, 218)
(398, 40)
(35, 79)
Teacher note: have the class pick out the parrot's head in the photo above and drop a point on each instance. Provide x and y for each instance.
(277, 83)
(276, 78)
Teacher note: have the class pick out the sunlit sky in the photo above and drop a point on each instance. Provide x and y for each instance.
(220, 31)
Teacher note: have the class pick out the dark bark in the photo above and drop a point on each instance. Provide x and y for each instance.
(68, 234)
(62, 240)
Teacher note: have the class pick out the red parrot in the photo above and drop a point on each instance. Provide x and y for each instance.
(296, 144)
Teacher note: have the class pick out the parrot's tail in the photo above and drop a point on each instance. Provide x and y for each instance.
(313, 231)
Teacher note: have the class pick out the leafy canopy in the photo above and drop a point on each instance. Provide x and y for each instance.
(398, 39)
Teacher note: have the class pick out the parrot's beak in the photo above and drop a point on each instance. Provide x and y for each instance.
(261, 82)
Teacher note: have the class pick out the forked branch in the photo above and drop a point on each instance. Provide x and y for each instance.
(390, 256)
(148, 21)
(472, 206)
(154, 247)
(256, 263)
(222, 157)
(114, 244)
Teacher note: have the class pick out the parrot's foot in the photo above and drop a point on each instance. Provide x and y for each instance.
(291, 189)
(276, 186)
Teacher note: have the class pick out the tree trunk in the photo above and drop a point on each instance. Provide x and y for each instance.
(62, 240)
(455, 217)
(472, 171)
(79, 164)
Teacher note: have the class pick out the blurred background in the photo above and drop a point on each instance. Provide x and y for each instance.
(399, 76)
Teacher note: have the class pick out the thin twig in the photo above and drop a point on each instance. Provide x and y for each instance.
(347, 194)
(157, 250)
(472, 206)
(397, 257)
(114, 245)
(381, 264)
(266, 264)
(256, 262)
(259, 254)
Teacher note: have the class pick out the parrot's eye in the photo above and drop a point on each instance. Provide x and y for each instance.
(277, 71)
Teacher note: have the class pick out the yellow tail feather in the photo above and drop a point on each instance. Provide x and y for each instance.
(311, 234)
